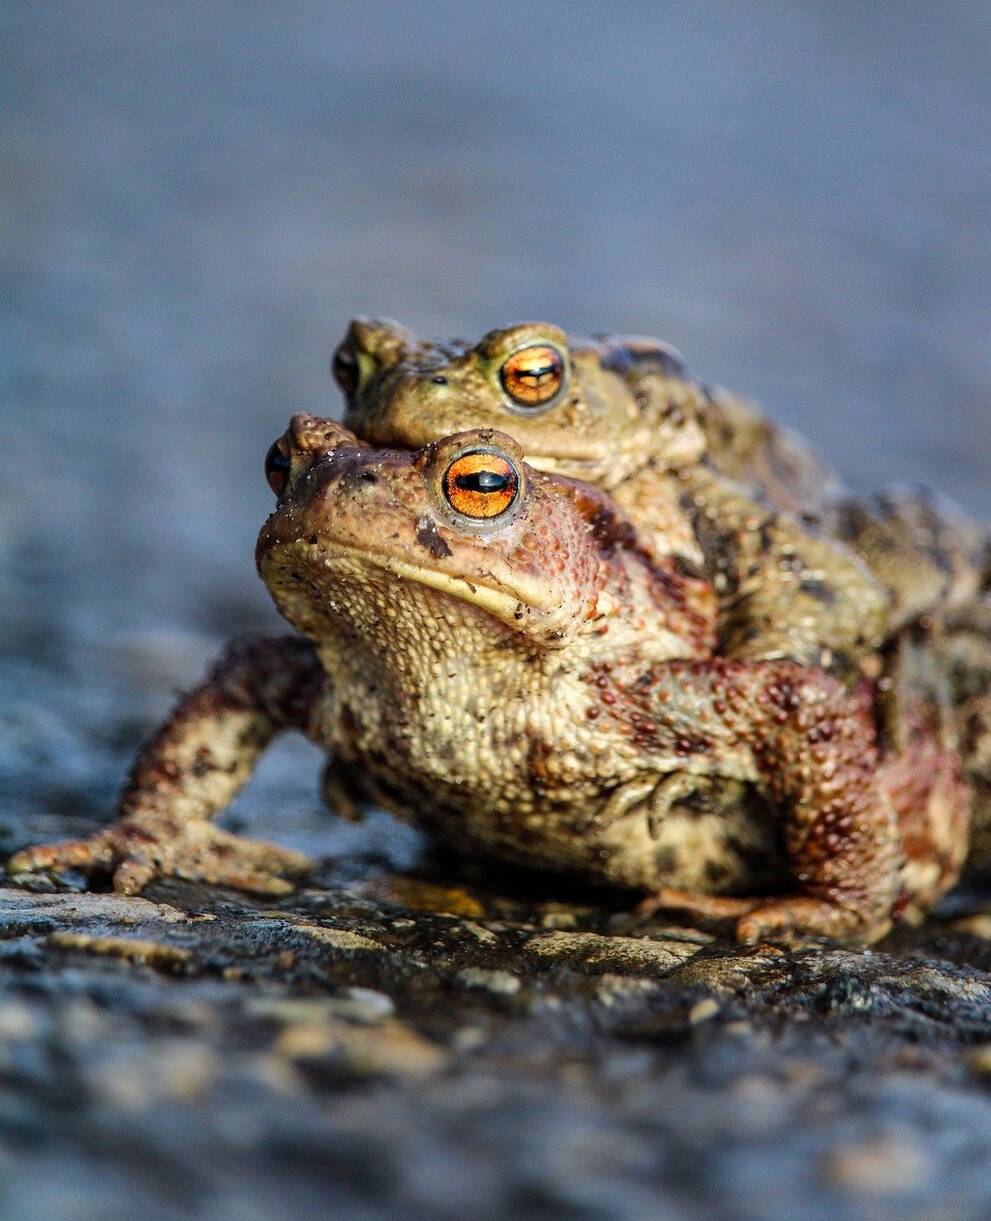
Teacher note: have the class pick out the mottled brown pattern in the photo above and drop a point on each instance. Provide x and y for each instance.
(710, 483)
(800, 571)
(543, 688)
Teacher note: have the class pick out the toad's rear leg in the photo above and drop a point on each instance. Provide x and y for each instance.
(191, 770)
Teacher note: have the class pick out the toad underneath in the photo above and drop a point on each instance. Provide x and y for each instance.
(493, 652)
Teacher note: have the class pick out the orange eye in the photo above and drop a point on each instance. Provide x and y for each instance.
(481, 485)
(532, 376)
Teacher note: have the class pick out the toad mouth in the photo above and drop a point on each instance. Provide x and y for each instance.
(503, 605)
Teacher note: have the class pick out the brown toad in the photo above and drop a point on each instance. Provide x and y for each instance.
(801, 571)
(493, 652)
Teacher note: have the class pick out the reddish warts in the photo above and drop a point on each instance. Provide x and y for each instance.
(452, 660)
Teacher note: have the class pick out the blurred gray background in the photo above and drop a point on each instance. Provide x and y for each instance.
(199, 195)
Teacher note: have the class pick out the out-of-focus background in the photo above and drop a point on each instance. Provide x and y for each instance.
(199, 195)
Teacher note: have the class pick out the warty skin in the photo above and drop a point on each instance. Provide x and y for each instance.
(535, 685)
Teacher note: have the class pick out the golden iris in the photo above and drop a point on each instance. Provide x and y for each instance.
(533, 376)
(480, 484)
(278, 465)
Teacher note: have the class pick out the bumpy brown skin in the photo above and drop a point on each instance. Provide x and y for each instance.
(707, 479)
(962, 651)
(702, 472)
(713, 483)
(930, 557)
(627, 401)
(536, 686)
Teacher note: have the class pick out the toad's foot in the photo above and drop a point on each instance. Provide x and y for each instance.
(137, 850)
(694, 903)
(798, 916)
(764, 919)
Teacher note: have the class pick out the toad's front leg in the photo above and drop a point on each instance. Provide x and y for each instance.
(191, 770)
(811, 746)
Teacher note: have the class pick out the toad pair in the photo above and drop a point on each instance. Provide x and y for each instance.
(647, 642)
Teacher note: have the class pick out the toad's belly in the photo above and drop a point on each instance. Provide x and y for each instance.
(724, 840)
(513, 790)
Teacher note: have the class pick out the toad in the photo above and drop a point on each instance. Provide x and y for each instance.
(492, 651)
(801, 570)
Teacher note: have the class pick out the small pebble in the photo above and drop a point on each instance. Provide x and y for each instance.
(131, 949)
(703, 1011)
(503, 983)
(886, 1165)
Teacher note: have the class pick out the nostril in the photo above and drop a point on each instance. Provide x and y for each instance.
(348, 478)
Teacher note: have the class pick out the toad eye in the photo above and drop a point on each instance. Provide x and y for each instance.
(278, 466)
(533, 376)
(345, 369)
(481, 484)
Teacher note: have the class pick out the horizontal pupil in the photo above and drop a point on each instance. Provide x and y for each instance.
(482, 481)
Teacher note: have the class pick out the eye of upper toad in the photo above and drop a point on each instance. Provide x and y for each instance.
(533, 376)
(481, 484)
(278, 466)
(345, 369)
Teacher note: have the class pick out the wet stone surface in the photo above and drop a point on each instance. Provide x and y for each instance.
(407, 1043)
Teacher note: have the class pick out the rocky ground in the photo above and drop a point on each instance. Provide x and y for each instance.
(197, 198)
(421, 1044)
